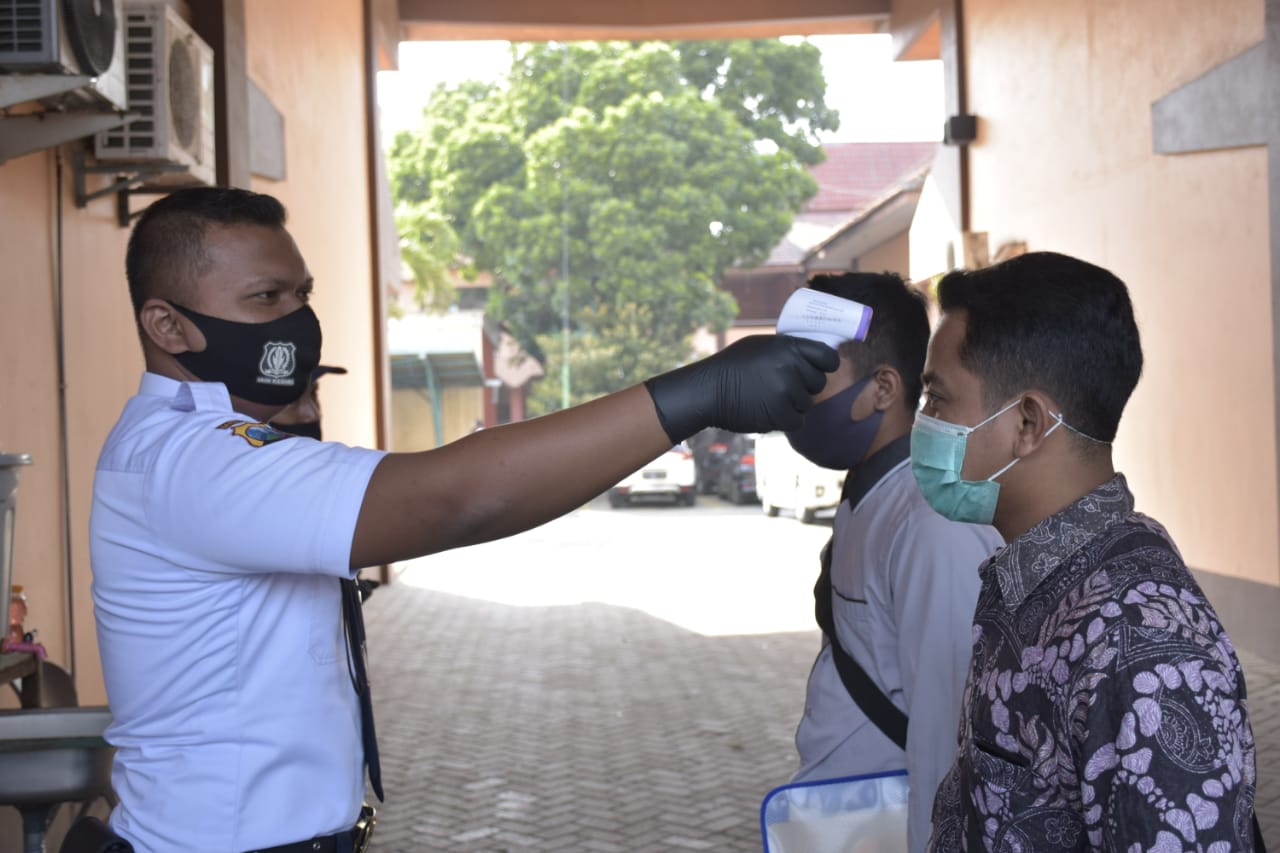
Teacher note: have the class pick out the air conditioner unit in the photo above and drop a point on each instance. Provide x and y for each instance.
(171, 88)
(41, 40)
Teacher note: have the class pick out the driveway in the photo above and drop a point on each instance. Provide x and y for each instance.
(618, 680)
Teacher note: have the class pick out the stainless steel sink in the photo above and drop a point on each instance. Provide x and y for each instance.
(53, 755)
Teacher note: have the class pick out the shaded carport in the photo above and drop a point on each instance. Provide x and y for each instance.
(1225, 101)
(1217, 101)
(430, 376)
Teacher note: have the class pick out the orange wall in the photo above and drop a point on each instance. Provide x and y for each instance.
(102, 368)
(309, 59)
(1064, 161)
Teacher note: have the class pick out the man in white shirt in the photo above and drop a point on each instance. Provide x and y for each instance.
(223, 550)
(899, 581)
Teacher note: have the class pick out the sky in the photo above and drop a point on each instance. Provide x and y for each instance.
(879, 100)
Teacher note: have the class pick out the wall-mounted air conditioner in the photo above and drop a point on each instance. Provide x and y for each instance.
(67, 53)
(171, 89)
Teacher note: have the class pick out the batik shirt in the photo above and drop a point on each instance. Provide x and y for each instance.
(1105, 708)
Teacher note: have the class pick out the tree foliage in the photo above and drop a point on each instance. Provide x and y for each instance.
(429, 247)
(645, 169)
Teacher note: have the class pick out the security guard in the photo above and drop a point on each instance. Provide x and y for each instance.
(223, 549)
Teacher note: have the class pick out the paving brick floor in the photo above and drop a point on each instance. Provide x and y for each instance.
(577, 728)
(1263, 679)
(602, 729)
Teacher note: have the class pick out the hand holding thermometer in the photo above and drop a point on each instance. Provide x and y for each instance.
(824, 318)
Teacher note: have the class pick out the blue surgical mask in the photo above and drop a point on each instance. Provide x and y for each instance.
(828, 437)
(937, 458)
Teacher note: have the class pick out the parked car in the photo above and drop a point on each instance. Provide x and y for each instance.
(736, 474)
(709, 447)
(672, 476)
(785, 480)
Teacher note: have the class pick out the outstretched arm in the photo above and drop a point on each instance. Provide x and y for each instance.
(498, 482)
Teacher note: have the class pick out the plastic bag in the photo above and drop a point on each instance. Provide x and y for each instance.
(856, 814)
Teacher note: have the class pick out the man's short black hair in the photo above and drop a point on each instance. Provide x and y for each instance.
(166, 250)
(899, 331)
(1054, 323)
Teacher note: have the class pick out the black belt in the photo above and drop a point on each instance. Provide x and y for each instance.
(339, 842)
(354, 840)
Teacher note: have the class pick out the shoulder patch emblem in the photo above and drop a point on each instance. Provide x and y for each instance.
(257, 435)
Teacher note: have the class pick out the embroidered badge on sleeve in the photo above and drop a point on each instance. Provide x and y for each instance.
(258, 435)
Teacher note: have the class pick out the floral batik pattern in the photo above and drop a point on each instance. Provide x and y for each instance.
(1105, 708)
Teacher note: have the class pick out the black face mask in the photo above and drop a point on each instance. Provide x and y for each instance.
(265, 363)
(828, 438)
(309, 430)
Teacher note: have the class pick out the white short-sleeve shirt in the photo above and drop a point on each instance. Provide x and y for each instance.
(904, 588)
(216, 545)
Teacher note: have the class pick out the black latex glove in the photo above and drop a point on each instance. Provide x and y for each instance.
(757, 384)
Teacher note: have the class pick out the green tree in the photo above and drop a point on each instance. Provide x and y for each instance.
(650, 168)
(775, 89)
(429, 247)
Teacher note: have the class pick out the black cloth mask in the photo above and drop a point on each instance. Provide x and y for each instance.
(307, 430)
(266, 363)
(828, 438)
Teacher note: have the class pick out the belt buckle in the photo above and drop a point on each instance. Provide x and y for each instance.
(362, 835)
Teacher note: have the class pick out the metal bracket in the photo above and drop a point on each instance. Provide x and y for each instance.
(26, 134)
(20, 88)
(130, 180)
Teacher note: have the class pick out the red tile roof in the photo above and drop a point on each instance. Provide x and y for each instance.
(858, 173)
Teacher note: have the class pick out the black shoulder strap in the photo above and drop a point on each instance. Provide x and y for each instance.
(888, 717)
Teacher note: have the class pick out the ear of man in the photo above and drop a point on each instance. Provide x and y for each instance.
(889, 387)
(1035, 413)
(164, 327)
(883, 395)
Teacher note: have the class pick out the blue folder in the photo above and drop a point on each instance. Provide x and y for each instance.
(854, 814)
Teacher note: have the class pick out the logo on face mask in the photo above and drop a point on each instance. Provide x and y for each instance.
(277, 363)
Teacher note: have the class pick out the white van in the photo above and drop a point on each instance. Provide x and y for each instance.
(786, 480)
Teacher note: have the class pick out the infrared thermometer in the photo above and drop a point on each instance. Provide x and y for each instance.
(824, 318)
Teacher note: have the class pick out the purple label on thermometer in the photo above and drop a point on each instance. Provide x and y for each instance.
(823, 317)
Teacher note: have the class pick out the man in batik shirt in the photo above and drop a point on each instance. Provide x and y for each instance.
(1105, 708)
